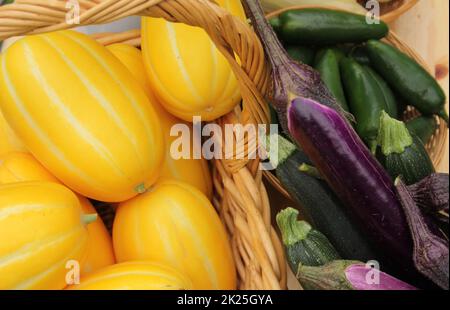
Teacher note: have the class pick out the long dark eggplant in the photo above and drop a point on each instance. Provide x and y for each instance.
(354, 175)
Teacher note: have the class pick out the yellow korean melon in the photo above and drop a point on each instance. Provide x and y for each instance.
(135, 276)
(42, 229)
(193, 171)
(22, 167)
(188, 74)
(81, 113)
(9, 142)
(175, 224)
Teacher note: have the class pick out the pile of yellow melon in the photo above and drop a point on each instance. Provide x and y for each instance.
(82, 123)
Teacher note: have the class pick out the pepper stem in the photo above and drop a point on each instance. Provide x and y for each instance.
(393, 136)
(87, 219)
(292, 230)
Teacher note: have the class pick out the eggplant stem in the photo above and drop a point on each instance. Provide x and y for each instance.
(272, 45)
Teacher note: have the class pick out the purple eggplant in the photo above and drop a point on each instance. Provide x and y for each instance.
(355, 176)
(348, 275)
(430, 250)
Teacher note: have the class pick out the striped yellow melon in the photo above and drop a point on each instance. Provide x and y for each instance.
(188, 74)
(22, 167)
(99, 253)
(175, 224)
(9, 142)
(41, 230)
(135, 276)
(192, 171)
(80, 112)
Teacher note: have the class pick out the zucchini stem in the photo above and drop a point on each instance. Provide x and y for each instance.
(373, 144)
(292, 230)
(285, 149)
(393, 136)
(311, 171)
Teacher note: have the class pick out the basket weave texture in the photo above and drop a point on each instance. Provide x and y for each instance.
(241, 198)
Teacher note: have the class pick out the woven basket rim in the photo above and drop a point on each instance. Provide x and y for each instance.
(394, 14)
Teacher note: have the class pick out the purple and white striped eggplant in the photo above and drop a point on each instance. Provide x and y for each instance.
(348, 275)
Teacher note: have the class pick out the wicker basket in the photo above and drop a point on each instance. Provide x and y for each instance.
(436, 145)
(395, 13)
(241, 198)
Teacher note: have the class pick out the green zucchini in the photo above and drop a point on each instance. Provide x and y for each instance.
(328, 66)
(321, 205)
(402, 153)
(304, 245)
(423, 127)
(389, 97)
(303, 54)
(317, 26)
